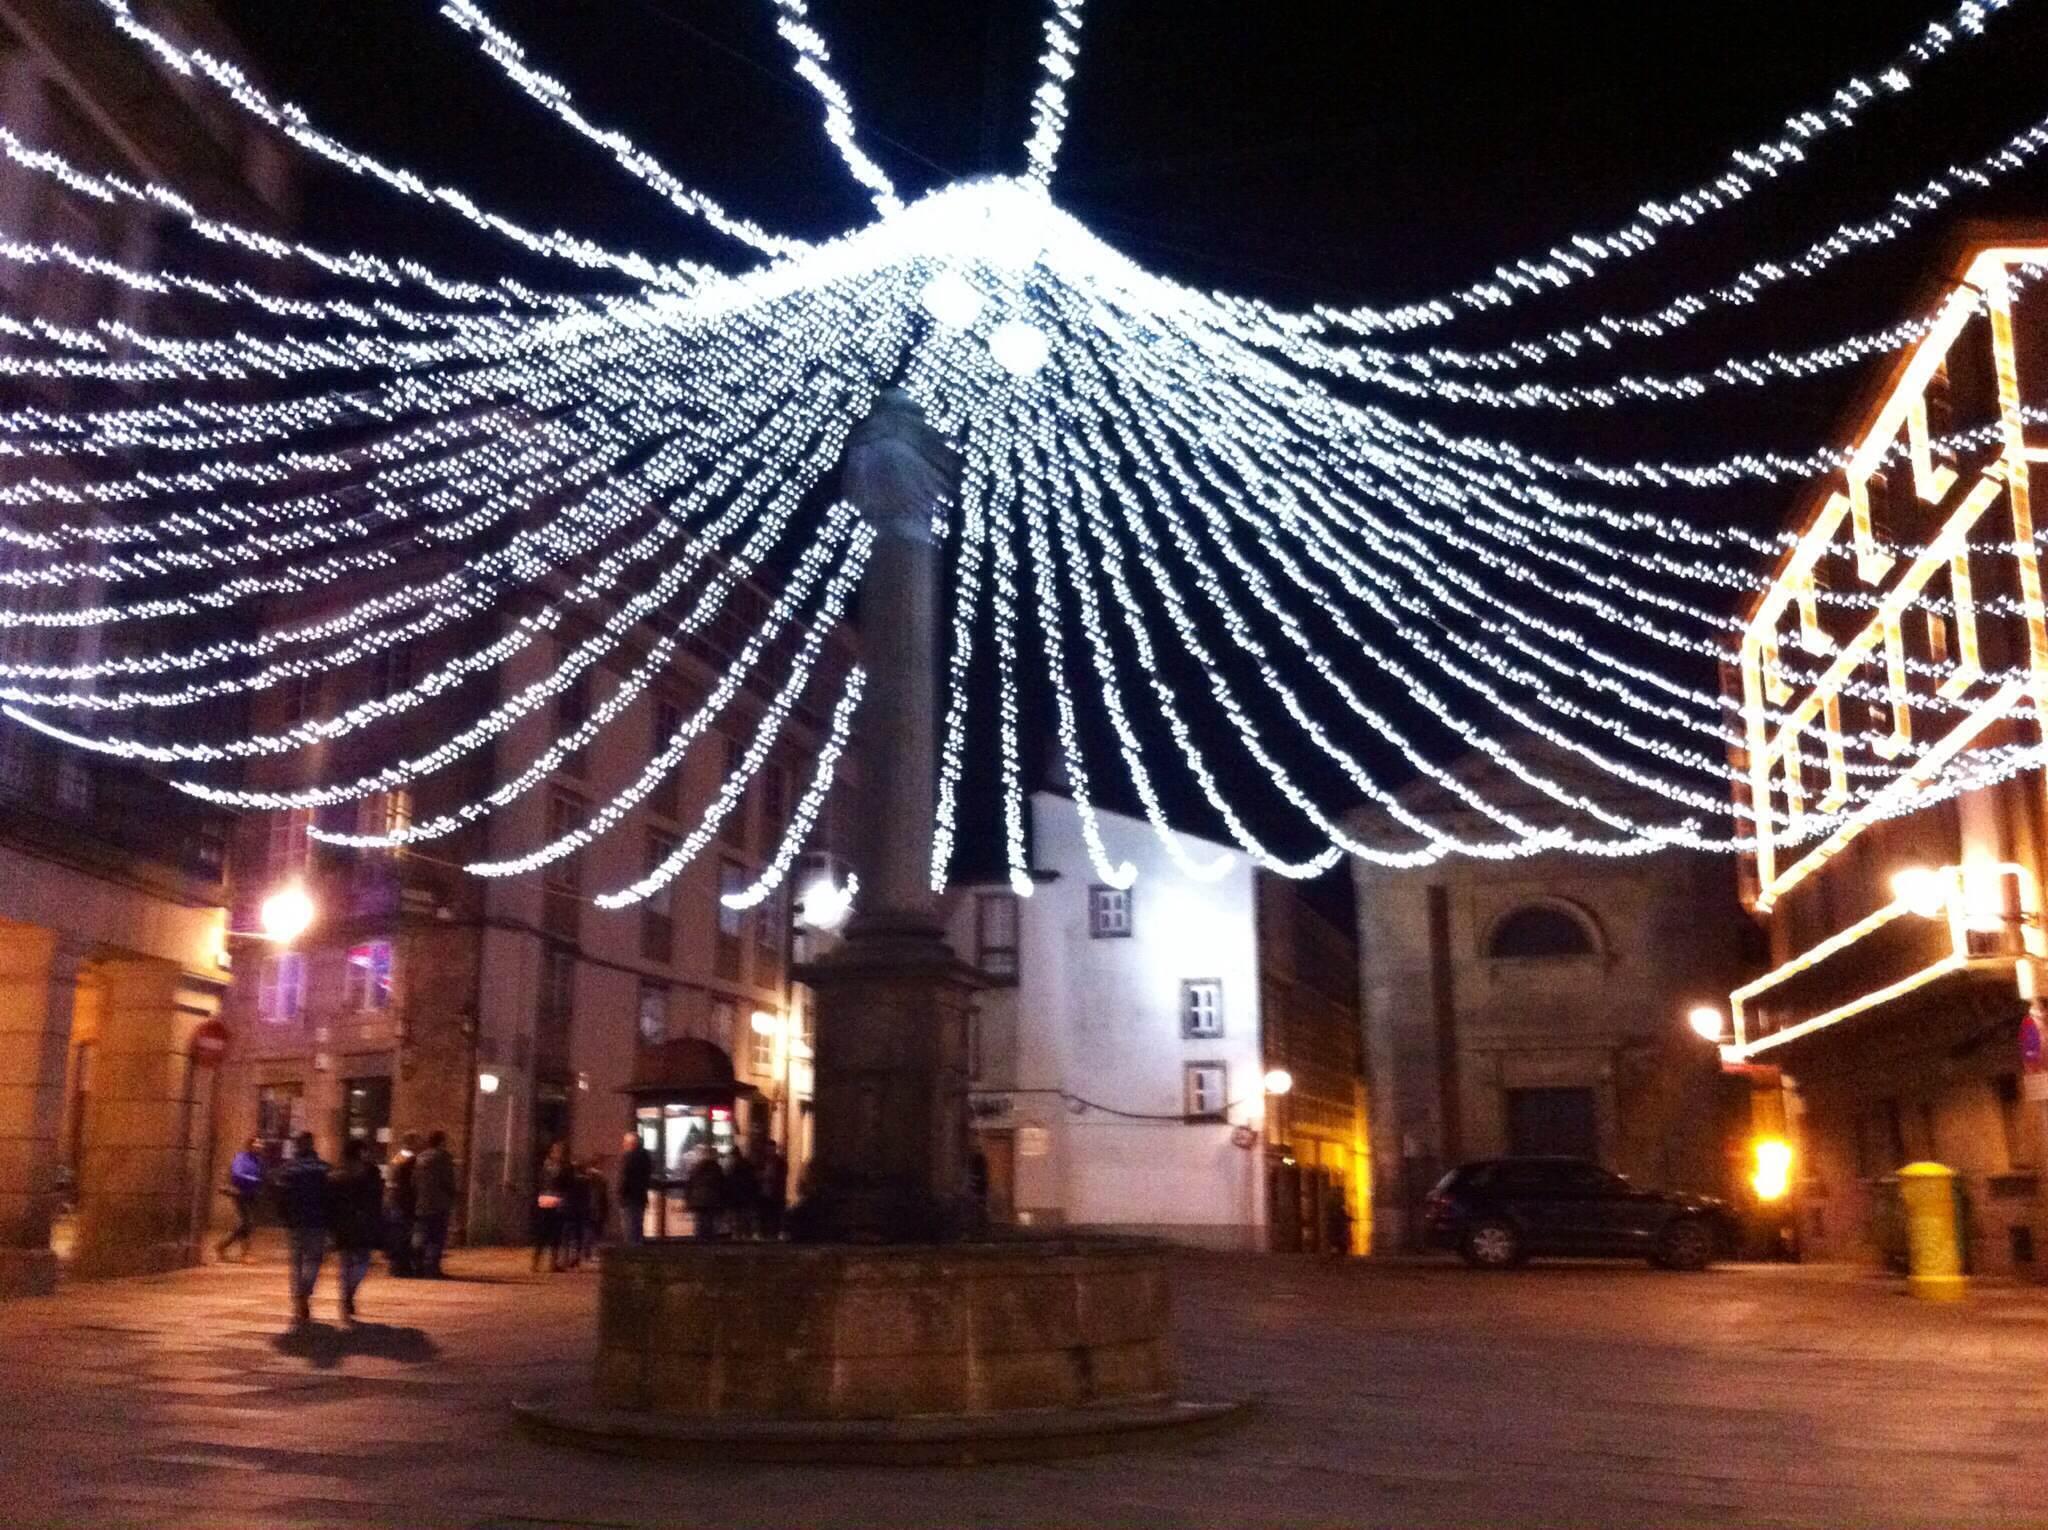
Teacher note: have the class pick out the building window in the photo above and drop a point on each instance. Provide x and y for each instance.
(1201, 1007)
(386, 813)
(653, 1020)
(769, 920)
(667, 798)
(557, 984)
(17, 762)
(281, 986)
(774, 806)
(734, 829)
(995, 935)
(367, 983)
(280, 1114)
(761, 1044)
(1205, 1085)
(394, 670)
(1109, 912)
(566, 813)
(366, 1114)
(286, 855)
(301, 698)
(732, 922)
(572, 710)
(74, 785)
(1539, 931)
(725, 1015)
(657, 910)
(2012, 1119)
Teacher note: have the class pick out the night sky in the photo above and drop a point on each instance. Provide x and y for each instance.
(1299, 151)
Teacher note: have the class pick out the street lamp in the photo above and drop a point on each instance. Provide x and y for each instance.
(1922, 891)
(1278, 1081)
(1705, 1021)
(286, 914)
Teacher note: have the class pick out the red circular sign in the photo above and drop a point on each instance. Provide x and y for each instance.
(210, 1042)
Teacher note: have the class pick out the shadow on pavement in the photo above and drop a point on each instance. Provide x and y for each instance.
(325, 1346)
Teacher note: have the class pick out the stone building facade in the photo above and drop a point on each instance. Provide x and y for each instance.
(1539, 1005)
(112, 899)
(1118, 1054)
(509, 1011)
(1316, 1150)
(1906, 945)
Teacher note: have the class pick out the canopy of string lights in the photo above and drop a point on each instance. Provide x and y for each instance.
(1147, 469)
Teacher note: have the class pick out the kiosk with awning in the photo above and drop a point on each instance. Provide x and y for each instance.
(685, 1096)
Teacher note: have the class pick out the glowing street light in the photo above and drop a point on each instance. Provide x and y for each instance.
(1921, 890)
(1705, 1021)
(824, 906)
(765, 1023)
(1773, 1174)
(1278, 1081)
(286, 914)
(487, 1082)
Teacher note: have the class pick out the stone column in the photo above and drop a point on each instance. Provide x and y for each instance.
(144, 1187)
(889, 1162)
(38, 978)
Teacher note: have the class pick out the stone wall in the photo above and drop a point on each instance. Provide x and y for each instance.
(839, 1332)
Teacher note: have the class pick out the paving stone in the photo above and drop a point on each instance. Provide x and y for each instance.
(1400, 1395)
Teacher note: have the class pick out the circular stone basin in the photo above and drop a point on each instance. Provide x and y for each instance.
(837, 1332)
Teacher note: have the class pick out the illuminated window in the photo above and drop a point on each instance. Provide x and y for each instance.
(761, 1056)
(1538, 932)
(1109, 912)
(995, 935)
(1201, 1007)
(1937, 637)
(281, 986)
(1205, 1091)
(367, 982)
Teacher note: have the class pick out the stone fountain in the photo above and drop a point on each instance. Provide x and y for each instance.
(893, 1327)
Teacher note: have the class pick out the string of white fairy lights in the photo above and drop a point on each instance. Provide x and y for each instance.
(1268, 581)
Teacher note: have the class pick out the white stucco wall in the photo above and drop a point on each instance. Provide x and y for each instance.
(1093, 1028)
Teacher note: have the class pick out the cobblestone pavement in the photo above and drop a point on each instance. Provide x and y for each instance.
(1394, 1395)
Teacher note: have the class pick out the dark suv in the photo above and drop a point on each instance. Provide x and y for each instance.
(1500, 1211)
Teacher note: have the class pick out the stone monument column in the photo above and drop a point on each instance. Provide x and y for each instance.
(889, 1161)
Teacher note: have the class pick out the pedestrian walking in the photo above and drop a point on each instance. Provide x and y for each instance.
(597, 1206)
(636, 1177)
(575, 1208)
(703, 1186)
(355, 1219)
(245, 1188)
(433, 1202)
(302, 1204)
(1337, 1226)
(551, 1193)
(403, 1175)
(774, 1189)
(742, 1196)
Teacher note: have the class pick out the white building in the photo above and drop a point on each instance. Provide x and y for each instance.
(1116, 1061)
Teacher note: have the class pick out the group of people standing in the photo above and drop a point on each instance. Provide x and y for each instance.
(571, 1207)
(355, 1207)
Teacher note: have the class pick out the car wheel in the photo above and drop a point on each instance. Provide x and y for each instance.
(1492, 1245)
(1686, 1245)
